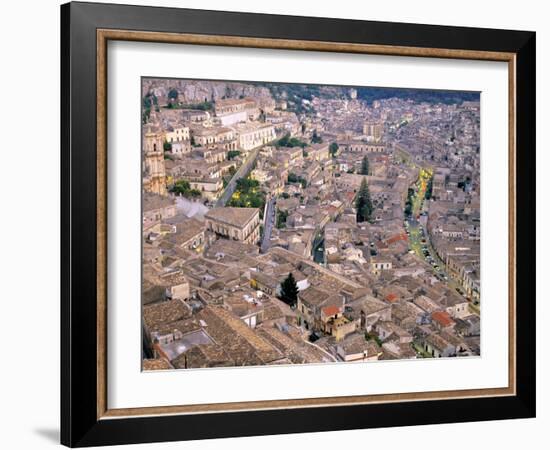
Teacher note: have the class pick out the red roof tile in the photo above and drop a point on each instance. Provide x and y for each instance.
(397, 238)
(331, 310)
(443, 318)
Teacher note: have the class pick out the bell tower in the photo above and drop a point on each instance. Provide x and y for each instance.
(154, 170)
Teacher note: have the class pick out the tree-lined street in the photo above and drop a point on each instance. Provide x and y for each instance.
(419, 240)
(242, 172)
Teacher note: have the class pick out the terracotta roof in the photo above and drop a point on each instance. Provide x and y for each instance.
(237, 217)
(155, 364)
(186, 231)
(443, 318)
(437, 341)
(160, 314)
(391, 297)
(331, 310)
(203, 355)
(356, 343)
(242, 344)
(396, 238)
(152, 202)
(313, 296)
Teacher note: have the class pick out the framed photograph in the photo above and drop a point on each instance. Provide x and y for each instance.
(277, 224)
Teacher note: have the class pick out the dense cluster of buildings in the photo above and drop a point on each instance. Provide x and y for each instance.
(215, 262)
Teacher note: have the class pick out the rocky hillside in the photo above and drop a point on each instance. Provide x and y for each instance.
(196, 91)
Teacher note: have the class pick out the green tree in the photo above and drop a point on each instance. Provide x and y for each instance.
(363, 203)
(365, 165)
(429, 189)
(232, 154)
(289, 290)
(315, 138)
(373, 337)
(167, 146)
(333, 149)
(281, 218)
(173, 95)
(287, 141)
(293, 178)
(195, 193)
(181, 187)
(145, 116)
(246, 185)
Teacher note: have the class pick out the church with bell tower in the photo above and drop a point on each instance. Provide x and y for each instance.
(154, 173)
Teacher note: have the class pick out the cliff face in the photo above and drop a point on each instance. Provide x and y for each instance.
(195, 91)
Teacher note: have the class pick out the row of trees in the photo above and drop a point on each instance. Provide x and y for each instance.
(409, 202)
(202, 106)
(173, 103)
(429, 189)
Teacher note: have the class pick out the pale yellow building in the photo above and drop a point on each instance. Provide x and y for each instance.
(334, 323)
(373, 130)
(178, 135)
(260, 175)
(210, 188)
(318, 152)
(234, 110)
(176, 285)
(362, 147)
(254, 135)
(215, 136)
(378, 264)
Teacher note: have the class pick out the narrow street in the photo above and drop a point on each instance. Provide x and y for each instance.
(419, 241)
(269, 222)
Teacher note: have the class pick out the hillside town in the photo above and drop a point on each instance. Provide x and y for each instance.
(292, 224)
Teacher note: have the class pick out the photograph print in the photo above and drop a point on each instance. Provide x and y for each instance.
(296, 223)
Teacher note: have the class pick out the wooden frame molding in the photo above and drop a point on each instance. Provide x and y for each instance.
(105, 35)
